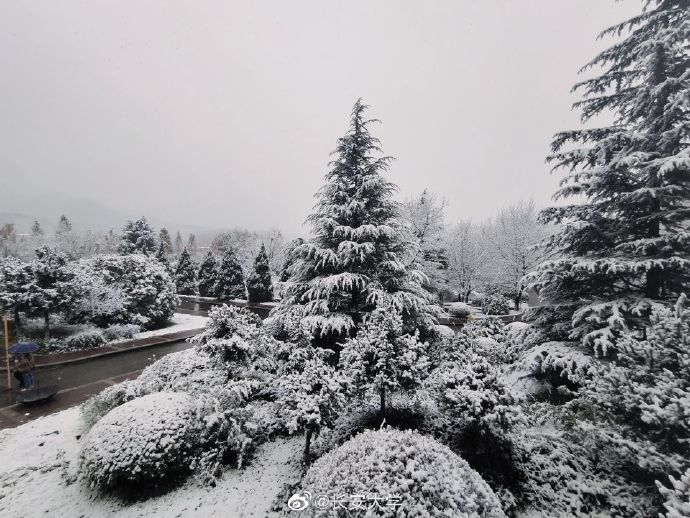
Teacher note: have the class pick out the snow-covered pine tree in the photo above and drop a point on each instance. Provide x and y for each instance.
(230, 278)
(178, 243)
(381, 359)
(625, 247)
(259, 286)
(310, 394)
(15, 277)
(36, 230)
(358, 249)
(164, 237)
(185, 275)
(289, 258)
(208, 276)
(191, 245)
(162, 255)
(47, 290)
(137, 238)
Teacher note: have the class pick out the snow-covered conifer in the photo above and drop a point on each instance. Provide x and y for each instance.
(230, 278)
(381, 359)
(623, 247)
(47, 291)
(311, 395)
(185, 275)
(137, 238)
(358, 251)
(178, 243)
(164, 237)
(15, 277)
(208, 276)
(646, 390)
(259, 286)
(162, 256)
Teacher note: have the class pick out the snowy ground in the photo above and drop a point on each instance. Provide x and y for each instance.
(38, 477)
(181, 322)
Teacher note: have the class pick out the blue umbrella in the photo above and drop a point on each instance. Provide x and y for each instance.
(24, 347)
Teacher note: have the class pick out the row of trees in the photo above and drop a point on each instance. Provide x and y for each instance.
(101, 290)
(223, 279)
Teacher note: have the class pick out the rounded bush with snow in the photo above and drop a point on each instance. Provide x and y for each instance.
(144, 443)
(459, 310)
(414, 476)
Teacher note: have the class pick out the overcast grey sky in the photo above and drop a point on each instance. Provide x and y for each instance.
(224, 113)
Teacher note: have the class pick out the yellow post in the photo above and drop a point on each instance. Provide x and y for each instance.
(7, 351)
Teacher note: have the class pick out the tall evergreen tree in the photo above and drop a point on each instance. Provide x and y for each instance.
(208, 276)
(191, 244)
(623, 249)
(178, 243)
(48, 290)
(137, 238)
(230, 278)
(357, 253)
(162, 255)
(185, 275)
(164, 237)
(36, 230)
(259, 286)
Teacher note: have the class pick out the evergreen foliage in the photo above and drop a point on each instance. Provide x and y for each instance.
(230, 283)
(626, 247)
(358, 250)
(162, 255)
(259, 286)
(47, 291)
(164, 238)
(381, 359)
(185, 275)
(137, 238)
(208, 276)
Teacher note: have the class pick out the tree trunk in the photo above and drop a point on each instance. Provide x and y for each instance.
(307, 446)
(382, 395)
(653, 283)
(46, 318)
(17, 321)
(517, 300)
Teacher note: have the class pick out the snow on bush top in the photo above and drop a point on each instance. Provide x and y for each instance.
(144, 441)
(459, 310)
(426, 478)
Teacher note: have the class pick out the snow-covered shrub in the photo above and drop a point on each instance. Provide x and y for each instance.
(677, 504)
(94, 300)
(102, 403)
(225, 435)
(145, 292)
(563, 475)
(142, 444)
(459, 310)
(382, 359)
(495, 304)
(561, 366)
(310, 398)
(476, 398)
(413, 476)
(444, 332)
(120, 331)
(85, 339)
(485, 327)
(189, 371)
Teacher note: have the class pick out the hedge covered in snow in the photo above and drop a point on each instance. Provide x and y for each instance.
(147, 441)
(422, 477)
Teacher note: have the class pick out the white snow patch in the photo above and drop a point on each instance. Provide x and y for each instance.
(38, 478)
(180, 322)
